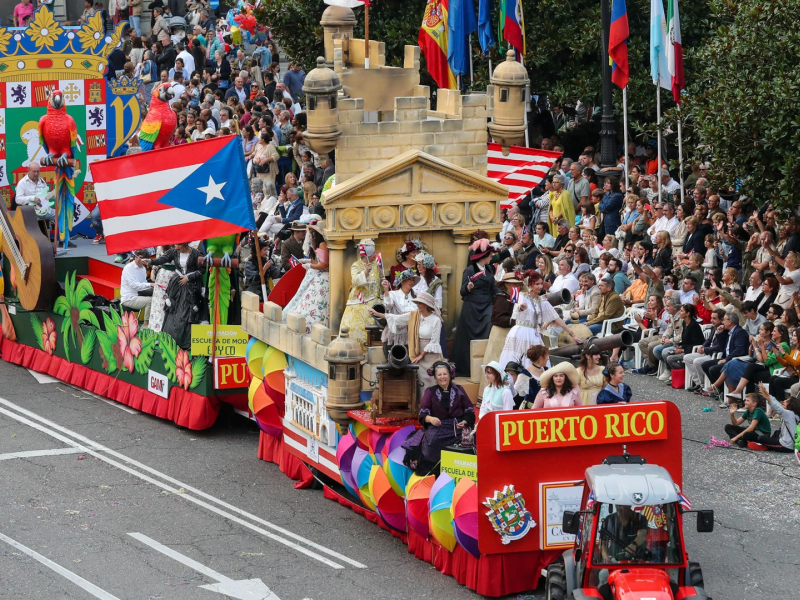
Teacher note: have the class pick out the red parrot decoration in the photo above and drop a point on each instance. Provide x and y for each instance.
(58, 135)
(160, 123)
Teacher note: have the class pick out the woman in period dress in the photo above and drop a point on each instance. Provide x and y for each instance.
(397, 301)
(365, 280)
(590, 375)
(184, 303)
(561, 206)
(445, 410)
(164, 275)
(406, 256)
(430, 282)
(502, 307)
(312, 299)
(559, 387)
(477, 292)
(497, 395)
(532, 314)
(423, 326)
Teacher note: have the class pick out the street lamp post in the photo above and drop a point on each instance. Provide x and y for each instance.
(608, 133)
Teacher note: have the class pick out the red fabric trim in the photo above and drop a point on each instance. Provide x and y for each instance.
(490, 575)
(272, 449)
(183, 408)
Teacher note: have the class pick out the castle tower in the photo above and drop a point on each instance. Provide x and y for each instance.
(322, 87)
(337, 23)
(510, 81)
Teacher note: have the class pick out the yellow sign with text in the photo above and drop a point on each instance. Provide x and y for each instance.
(459, 465)
(231, 340)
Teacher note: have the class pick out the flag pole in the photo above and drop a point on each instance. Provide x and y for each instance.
(680, 151)
(658, 121)
(366, 35)
(625, 128)
(261, 270)
(471, 71)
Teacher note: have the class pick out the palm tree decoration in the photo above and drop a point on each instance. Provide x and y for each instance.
(74, 307)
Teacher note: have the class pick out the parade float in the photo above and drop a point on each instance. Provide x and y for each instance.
(60, 314)
(335, 410)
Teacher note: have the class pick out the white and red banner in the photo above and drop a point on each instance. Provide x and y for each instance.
(521, 170)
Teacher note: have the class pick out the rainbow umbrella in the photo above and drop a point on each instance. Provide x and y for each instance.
(464, 511)
(441, 520)
(361, 471)
(398, 473)
(417, 497)
(273, 363)
(254, 354)
(264, 408)
(377, 441)
(391, 508)
(361, 432)
(344, 457)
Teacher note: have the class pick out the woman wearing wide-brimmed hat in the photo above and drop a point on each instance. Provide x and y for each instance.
(365, 290)
(398, 301)
(406, 255)
(312, 299)
(559, 387)
(502, 307)
(477, 292)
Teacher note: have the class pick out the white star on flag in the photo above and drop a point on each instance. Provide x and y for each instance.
(213, 190)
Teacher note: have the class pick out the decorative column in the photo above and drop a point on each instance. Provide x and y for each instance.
(340, 284)
(460, 264)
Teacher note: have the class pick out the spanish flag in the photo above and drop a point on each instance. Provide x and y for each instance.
(433, 43)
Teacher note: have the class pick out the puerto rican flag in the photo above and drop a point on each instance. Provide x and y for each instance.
(515, 295)
(521, 170)
(173, 195)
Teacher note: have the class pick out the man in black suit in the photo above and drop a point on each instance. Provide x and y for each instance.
(716, 342)
(738, 345)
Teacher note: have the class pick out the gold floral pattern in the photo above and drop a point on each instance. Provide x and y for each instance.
(44, 30)
(91, 35)
(5, 39)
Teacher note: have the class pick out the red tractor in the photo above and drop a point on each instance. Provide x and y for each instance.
(629, 541)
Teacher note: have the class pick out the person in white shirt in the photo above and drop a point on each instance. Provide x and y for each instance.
(754, 291)
(177, 87)
(187, 58)
(33, 191)
(134, 280)
(665, 220)
(668, 183)
(565, 279)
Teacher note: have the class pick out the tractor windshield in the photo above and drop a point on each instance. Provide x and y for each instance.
(640, 535)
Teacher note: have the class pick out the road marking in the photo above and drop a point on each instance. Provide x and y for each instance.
(43, 377)
(244, 589)
(35, 453)
(76, 579)
(94, 449)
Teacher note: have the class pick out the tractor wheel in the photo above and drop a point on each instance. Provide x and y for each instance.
(556, 582)
(695, 575)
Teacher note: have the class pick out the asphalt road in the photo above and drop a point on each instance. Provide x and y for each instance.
(105, 502)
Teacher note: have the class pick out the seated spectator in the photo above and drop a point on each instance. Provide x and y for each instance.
(753, 320)
(738, 345)
(692, 336)
(652, 346)
(136, 292)
(587, 299)
(608, 307)
(637, 292)
(616, 271)
(559, 387)
(615, 389)
(565, 279)
(758, 428)
(764, 345)
(778, 384)
(785, 438)
(715, 343)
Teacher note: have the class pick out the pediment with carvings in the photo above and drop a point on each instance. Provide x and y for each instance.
(412, 192)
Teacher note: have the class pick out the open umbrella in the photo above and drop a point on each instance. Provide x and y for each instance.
(465, 515)
(391, 507)
(273, 363)
(417, 496)
(254, 354)
(361, 432)
(377, 441)
(441, 519)
(361, 471)
(264, 408)
(345, 451)
(398, 473)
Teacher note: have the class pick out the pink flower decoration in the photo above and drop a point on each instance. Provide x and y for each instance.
(49, 336)
(183, 369)
(129, 345)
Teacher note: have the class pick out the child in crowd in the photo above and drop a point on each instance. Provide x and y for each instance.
(758, 428)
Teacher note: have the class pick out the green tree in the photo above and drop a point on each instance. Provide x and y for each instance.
(742, 102)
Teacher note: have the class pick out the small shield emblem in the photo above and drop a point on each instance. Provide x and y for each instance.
(637, 497)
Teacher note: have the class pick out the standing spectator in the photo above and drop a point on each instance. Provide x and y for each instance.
(23, 13)
(294, 79)
(578, 187)
(135, 7)
(160, 29)
(610, 206)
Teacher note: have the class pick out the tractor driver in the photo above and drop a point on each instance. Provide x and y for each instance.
(623, 535)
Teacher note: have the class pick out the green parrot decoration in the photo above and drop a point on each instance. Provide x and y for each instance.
(220, 247)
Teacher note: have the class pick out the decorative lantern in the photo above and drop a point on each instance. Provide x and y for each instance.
(510, 81)
(344, 357)
(322, 87)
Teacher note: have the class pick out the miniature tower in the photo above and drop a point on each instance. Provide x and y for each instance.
(337, 23)
(510, 81)
(322, 87)
(344, 357)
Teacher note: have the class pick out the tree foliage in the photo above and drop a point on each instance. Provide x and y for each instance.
(742, 102)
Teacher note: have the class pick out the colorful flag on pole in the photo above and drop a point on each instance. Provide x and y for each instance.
(590, 501)
(685, 503)
(618, 43)
(293, 262)
(675, 50)
(478, 274)
(522, 169)
(361, 298)
(514, 26)
(461, 24)
(485, 34)
(380, 261)
(362, 251)
(659, 66)
(174, 195)
(514, 295)
(524, 230)
(433, 42)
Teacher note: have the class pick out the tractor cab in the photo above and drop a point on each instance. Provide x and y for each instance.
(629, 541)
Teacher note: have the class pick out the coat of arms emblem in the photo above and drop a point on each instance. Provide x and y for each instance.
(508, 515)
